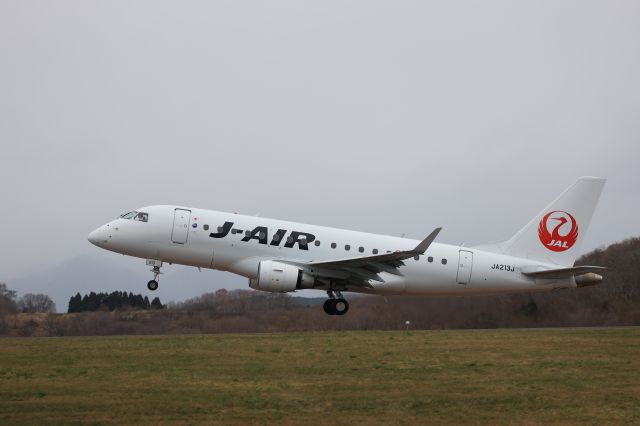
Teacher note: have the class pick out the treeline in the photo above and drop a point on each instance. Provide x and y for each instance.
(612, 303)
(111, 301)
(29, 303)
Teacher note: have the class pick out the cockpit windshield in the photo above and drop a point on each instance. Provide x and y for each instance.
(128, 215)
(139, 216)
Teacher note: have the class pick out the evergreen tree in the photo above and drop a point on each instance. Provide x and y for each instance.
(84, 304)
(75, 303)
(93, 303)
(156, 303)
(109, 301)
(139, 301)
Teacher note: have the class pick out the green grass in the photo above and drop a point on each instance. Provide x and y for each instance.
(566, 376)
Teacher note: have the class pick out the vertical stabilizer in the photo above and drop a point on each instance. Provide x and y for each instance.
(556, 233)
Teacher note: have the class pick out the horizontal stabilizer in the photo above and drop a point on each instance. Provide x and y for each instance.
(563, 272)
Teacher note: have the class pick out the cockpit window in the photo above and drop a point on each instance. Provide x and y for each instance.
(139, 216)
(142, 217)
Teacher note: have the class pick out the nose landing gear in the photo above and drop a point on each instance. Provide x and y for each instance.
(336, 304)
(153, 284)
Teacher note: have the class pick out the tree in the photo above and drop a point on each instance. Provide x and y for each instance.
(530, 308)
(75, 304)
(31, 303)
(7, 300)
(93, 302)
(156, 303)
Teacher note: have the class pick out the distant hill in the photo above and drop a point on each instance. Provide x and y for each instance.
(618, 297)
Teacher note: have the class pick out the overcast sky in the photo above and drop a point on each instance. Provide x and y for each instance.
(392, 117)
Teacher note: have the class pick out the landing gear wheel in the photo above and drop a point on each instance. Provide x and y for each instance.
(340, 306)
(329, 307)
(336, 306)
(152, 285)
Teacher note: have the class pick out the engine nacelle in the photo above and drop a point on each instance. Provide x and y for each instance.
(278, 277)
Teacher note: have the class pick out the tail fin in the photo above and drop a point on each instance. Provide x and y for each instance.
(556, 233)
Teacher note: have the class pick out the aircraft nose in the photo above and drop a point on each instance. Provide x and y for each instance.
(99, 236)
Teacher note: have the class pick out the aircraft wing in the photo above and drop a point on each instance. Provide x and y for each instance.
(359, 270)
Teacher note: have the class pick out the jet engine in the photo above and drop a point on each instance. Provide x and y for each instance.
(278, 277)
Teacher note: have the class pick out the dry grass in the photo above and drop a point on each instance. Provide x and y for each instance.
(562, 376)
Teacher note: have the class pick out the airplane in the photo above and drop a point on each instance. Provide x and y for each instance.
(281, 256)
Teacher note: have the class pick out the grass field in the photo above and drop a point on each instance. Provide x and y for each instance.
(565, 376)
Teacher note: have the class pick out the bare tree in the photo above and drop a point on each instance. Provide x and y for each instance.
(31, 303)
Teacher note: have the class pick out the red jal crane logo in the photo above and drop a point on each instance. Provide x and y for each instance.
(554, 240)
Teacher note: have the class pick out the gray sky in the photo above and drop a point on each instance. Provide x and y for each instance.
(392, 117)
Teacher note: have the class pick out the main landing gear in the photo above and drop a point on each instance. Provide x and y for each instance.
(336, 304)
(153, 284)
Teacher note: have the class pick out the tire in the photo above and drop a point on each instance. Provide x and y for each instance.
(152, 285)
(329, 307)
(340, 306)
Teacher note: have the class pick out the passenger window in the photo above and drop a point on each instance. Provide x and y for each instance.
(361, 249)
(142, 217)
(375, 251)
(333, 245)
(444, 261)
(347, 247)
(205, 227)
(429, 259)
(317, 243)
(416, 257)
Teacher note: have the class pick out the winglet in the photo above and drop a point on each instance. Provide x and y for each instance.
(424, 245)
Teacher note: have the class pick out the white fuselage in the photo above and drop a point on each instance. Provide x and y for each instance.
(208, 239)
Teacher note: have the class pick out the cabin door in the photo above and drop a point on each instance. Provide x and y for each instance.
(465, 262)
(180, 226)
